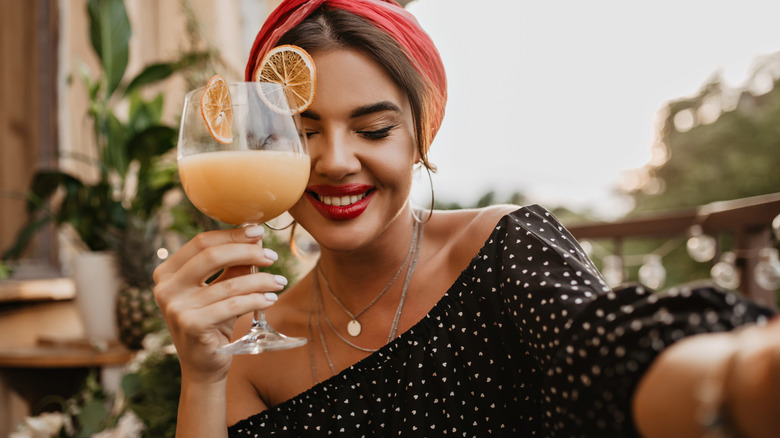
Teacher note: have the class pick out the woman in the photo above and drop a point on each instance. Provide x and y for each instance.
(465, 323)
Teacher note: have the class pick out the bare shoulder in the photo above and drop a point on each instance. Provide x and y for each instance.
(487, 218)
(475, 220)
(465, 231)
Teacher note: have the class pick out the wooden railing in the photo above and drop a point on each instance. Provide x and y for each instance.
(748, 219)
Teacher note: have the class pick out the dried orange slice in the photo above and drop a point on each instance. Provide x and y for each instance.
(217, 110)
(292, 67)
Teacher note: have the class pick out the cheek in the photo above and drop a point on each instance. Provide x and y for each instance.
(300, 208)
(396, 163)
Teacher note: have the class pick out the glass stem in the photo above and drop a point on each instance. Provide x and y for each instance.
(258, 320)
(258, 316)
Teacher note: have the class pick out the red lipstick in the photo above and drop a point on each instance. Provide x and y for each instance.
(340, 202)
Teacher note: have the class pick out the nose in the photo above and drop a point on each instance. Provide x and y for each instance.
(334, 156)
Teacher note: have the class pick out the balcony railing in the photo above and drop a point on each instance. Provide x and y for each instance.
(749, 220)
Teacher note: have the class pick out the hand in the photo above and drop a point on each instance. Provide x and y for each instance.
(753, 386)
(201, 316)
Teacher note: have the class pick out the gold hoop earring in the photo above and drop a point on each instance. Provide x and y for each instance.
(433, 200)
(279, 229)
(304, 254)
(294, 249)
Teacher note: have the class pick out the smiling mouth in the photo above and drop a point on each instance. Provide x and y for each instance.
(340, 201)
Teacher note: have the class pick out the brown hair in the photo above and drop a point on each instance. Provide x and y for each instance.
(329, 28)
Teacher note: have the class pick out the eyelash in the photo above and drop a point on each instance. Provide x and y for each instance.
(377, 134)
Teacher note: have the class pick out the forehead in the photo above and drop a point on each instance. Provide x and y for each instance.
(347, 79)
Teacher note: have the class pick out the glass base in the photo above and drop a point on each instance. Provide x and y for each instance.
(260, 340)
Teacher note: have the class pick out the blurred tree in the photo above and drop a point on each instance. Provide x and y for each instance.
(488, 198)
(718, 145)
(564, 214)
(517, 198)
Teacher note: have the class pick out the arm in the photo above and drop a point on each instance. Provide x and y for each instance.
(243, 399)
(736, 372)
(593, 344)
(201, 316)
(201, 409)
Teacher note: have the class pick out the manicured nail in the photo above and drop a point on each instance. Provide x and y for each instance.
(271, 254)
(270, 296)
(281, 280)
(253, 231)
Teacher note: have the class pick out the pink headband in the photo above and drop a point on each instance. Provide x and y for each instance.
(385, 14)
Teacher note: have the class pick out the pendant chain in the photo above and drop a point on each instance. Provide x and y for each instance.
(321, 309)
(354, 327)
(414, 254)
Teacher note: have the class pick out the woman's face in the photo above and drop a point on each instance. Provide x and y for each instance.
(362, 145)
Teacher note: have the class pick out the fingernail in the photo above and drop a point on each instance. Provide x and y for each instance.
(270, 296)
(253, 231)
(281, 280)
(271, 254)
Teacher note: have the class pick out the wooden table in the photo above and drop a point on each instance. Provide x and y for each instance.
(48, 354)
(59, 369)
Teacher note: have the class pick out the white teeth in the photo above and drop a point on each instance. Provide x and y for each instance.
(341, 201)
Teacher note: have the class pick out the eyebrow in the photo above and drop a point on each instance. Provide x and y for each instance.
(361, 111)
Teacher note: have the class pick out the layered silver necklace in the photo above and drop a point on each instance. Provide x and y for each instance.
(316, 300)
(354, 327)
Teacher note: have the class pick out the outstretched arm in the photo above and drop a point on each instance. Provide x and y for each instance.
(731, 378)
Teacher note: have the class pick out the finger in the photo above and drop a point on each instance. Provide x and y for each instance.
(241, 285)
(205, 240)
(191, 278)
(212, 259)
(235, 271)
(189, 282)
(203, 319)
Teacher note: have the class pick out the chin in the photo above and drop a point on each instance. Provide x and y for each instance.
(345, 235)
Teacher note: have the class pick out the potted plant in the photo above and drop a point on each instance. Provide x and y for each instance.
(119, 217)
(117, 213)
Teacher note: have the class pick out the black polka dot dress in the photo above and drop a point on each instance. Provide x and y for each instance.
(529, 341)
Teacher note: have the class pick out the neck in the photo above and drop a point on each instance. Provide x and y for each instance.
(356, 276)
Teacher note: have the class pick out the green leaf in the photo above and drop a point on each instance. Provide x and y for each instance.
(191, 59)
(23, 238)
(161, 71)
(93, 87)
(44, 184)
(5, 270)
(115, 152)
(151, 142)
(109, 32)
(143, 113)
(92, 417)
(131, 384)
(92, 211)
(151, 74)
(155, 181)
(164, 176)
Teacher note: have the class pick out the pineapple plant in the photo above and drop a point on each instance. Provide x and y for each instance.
(137, 312)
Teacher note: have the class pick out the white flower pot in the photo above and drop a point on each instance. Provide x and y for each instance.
(97, 284)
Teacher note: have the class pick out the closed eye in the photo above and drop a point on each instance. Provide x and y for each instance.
(377, 134)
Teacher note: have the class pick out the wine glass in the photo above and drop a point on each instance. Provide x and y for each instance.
(244, 171)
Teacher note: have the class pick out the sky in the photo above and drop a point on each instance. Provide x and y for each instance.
(559, 99)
